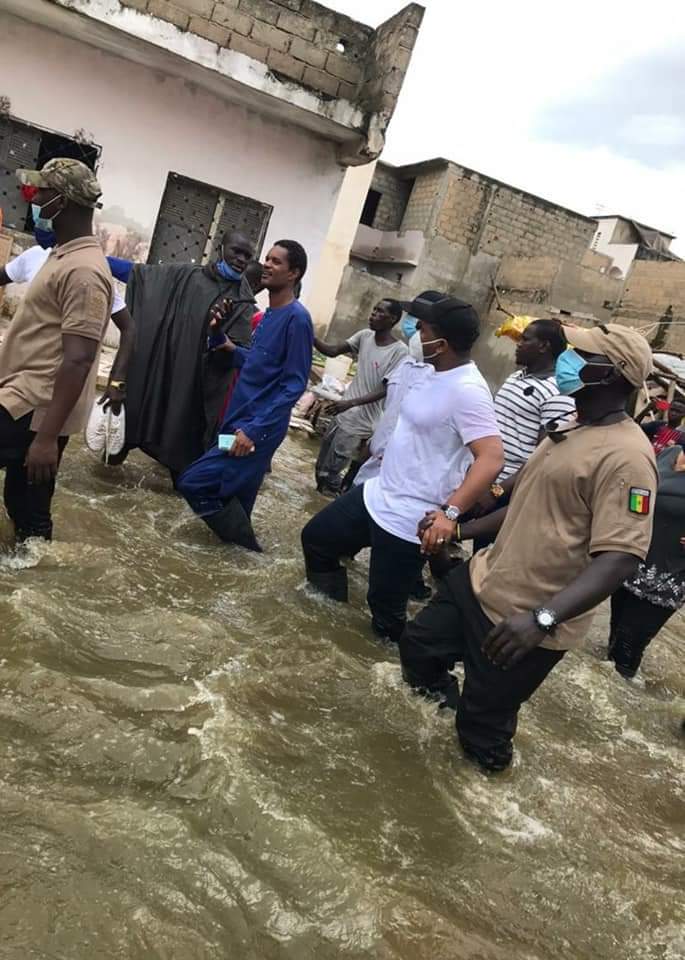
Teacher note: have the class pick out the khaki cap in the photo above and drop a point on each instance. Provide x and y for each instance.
(626, 348)
(73, 179)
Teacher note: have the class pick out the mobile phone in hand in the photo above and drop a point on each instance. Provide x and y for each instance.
(226, 441)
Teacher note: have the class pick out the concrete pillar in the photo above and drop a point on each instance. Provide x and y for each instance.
(335, 255)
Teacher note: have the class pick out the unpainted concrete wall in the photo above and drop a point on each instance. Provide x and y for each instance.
(395, 194)
(650, 289)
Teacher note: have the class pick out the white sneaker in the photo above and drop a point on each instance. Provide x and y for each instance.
(106, 431)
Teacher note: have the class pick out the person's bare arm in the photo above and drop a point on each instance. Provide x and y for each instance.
(124, 322)
(331, 349)
(43, 454)
(510, 641)
(339, 406)
(488, 458)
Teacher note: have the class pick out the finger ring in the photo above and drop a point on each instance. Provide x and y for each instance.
(441, 539)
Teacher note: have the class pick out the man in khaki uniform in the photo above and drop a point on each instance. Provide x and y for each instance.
(579, 521)
(48, 357)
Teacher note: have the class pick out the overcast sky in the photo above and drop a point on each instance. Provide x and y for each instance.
(582, 102)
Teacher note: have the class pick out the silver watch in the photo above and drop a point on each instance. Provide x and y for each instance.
(545, 619)
(452, 513)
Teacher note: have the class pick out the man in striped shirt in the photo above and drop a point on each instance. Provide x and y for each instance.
(526, 402)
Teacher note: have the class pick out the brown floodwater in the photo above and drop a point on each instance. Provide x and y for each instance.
(200, 760)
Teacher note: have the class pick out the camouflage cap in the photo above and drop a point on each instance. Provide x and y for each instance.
(73, 179)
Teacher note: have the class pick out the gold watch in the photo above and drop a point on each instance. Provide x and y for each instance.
(497, 490)
(117, 384)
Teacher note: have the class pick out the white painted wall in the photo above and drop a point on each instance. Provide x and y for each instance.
(622, 254)
(149, 124)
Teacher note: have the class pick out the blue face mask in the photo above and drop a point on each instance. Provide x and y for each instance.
(39, 221)
(227, 271)
(567, 372)
(45, 238)
(408, 325)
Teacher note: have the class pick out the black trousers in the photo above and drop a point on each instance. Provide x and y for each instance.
(28, 505)
(634, 623)
(450, 629)
(342, 529)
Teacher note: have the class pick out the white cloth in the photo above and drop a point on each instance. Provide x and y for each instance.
(24, 268)
(426, 457)
(524, 405)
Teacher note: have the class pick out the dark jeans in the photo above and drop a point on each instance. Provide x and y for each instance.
(634, 623)
(342, 529)
(28, 505)
(451, 629)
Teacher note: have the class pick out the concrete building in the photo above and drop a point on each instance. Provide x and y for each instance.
(200, 115)
(439, 225)
(627, 240)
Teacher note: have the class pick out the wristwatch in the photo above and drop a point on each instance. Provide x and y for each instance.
(117, 384)
(452, 513)
(545, 619)
(497, 490)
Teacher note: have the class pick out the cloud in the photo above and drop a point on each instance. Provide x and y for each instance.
(637, 110)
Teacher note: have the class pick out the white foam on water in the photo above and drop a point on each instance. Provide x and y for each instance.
(504, 814)
(674, 754)
(26, 556)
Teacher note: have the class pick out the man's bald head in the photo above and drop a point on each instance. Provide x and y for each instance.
(237, 250)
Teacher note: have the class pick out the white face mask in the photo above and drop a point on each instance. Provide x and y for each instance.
(427, 343)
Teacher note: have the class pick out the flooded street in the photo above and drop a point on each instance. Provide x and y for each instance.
(200, 760)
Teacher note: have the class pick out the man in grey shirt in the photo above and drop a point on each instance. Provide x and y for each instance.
(377, 353)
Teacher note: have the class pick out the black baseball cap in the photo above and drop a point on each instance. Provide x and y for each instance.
(455, 319)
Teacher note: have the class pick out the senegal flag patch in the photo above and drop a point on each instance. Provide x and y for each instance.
(639, 500)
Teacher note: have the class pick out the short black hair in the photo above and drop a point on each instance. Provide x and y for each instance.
(297, 256)
(553, 333)
(394, 308)
(459, 325)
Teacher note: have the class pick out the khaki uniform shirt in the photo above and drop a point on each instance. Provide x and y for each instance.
(590, 493)
(72, 293)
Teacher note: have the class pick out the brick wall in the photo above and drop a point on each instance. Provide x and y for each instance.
(422, 206)
(305, 42)
(395, 193)
(389, 56)
(530, 285)
(500, 220)
(462, 210)
(650, 289)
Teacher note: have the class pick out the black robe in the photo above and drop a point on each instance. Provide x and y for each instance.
(175, 389)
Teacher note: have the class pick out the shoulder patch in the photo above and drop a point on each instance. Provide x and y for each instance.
(639, 500)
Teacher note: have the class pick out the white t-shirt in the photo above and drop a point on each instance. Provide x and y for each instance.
(426, 457)
(24, 268)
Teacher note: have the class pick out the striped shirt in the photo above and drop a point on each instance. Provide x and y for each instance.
(524, 405)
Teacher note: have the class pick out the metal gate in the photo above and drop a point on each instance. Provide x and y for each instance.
(19, 146)
(194, 216)
(24, 146)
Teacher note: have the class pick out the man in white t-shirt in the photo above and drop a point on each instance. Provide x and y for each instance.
(444, 452)
(23, 269)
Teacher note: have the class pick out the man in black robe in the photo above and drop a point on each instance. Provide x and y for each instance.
(176, 386)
